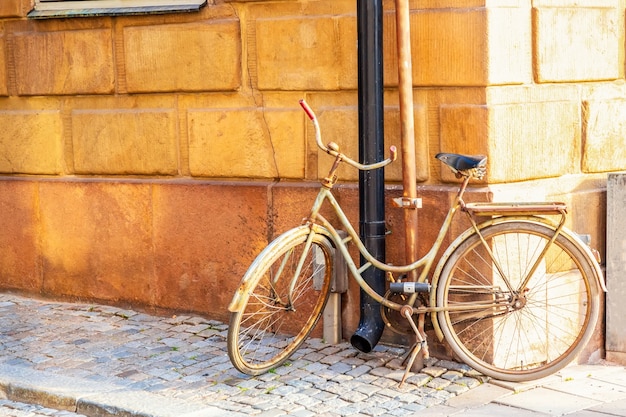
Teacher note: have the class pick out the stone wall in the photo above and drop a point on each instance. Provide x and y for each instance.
(145, 160)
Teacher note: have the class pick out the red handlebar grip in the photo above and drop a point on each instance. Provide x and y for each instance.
(307, 109)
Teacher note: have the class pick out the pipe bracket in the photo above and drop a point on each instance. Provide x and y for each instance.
(407, 202)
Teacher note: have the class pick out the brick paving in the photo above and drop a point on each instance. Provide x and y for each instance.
(97, 360)
(184, 358)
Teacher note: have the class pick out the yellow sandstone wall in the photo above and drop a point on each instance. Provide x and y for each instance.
(140, 155)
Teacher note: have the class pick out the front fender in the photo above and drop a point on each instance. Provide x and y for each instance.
(300, 232)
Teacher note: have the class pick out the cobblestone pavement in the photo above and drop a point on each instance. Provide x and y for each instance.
(184, 357)
(97, 360)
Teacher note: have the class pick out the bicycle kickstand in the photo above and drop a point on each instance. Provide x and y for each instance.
(419, 346)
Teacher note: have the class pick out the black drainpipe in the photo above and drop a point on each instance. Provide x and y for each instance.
(371, 149)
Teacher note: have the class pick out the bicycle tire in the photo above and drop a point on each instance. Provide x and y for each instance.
(555, 314)
(268, 329)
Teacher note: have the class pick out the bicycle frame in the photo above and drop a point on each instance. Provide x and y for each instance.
(425, 262)
(519, 211)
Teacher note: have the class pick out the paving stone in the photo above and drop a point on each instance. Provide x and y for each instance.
(548, 401)
(373, 411)
(438, 383)
(468, 382)
(359, 370)
(341, 368)
(368, 389)
(384, 383)
(418, 379)
(352, 360)
(387, 392)
(316, 367)
(453, 366)
(330, 359)
(452, 375)
(381, 371)
(434, 371)
(396, 363)
(456, 389)
(342, 378)
(407, 397)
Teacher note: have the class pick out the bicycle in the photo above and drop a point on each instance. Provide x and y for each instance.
(516, 296)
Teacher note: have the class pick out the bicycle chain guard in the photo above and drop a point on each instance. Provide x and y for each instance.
(394, 320)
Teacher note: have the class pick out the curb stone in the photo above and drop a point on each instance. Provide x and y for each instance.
(96, 399)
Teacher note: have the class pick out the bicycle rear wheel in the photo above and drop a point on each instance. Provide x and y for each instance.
(280, 308)
(524, 333)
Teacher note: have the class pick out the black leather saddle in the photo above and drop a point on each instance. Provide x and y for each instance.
(462, 162)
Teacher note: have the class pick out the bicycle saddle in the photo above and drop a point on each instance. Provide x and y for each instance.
(465, 165)
(461, 163)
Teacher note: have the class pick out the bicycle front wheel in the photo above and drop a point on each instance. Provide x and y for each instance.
(280, 307)
(512, 331)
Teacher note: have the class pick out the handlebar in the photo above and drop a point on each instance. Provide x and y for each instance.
(333, 149)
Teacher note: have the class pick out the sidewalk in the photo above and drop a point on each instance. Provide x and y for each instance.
(96, 360)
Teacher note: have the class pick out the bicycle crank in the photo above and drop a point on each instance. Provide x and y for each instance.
(420, 343)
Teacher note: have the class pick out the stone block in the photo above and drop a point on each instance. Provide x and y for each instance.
(537, 93)
(509, 47)
(291, 204)
(12, 8)
(205, 237)
(534, 140)
(393, 137)
(210, 60)
(460, 4)
(615, 258)
(523, 141)
(129, 141)
(19, 259)
(68, 62)
(465, 130)
(3, 71)
(465, 46)
(340, 125)
(96, 240)
(31, 142)
(567, 53)
(576, 3)
(246, 142)
(305, 53)
(604, 135)
(449, 47)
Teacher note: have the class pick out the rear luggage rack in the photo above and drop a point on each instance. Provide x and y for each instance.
(515, 209)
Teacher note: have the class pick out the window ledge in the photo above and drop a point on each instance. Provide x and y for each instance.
(46, 10)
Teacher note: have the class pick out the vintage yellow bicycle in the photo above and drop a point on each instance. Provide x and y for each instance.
(516, 296)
